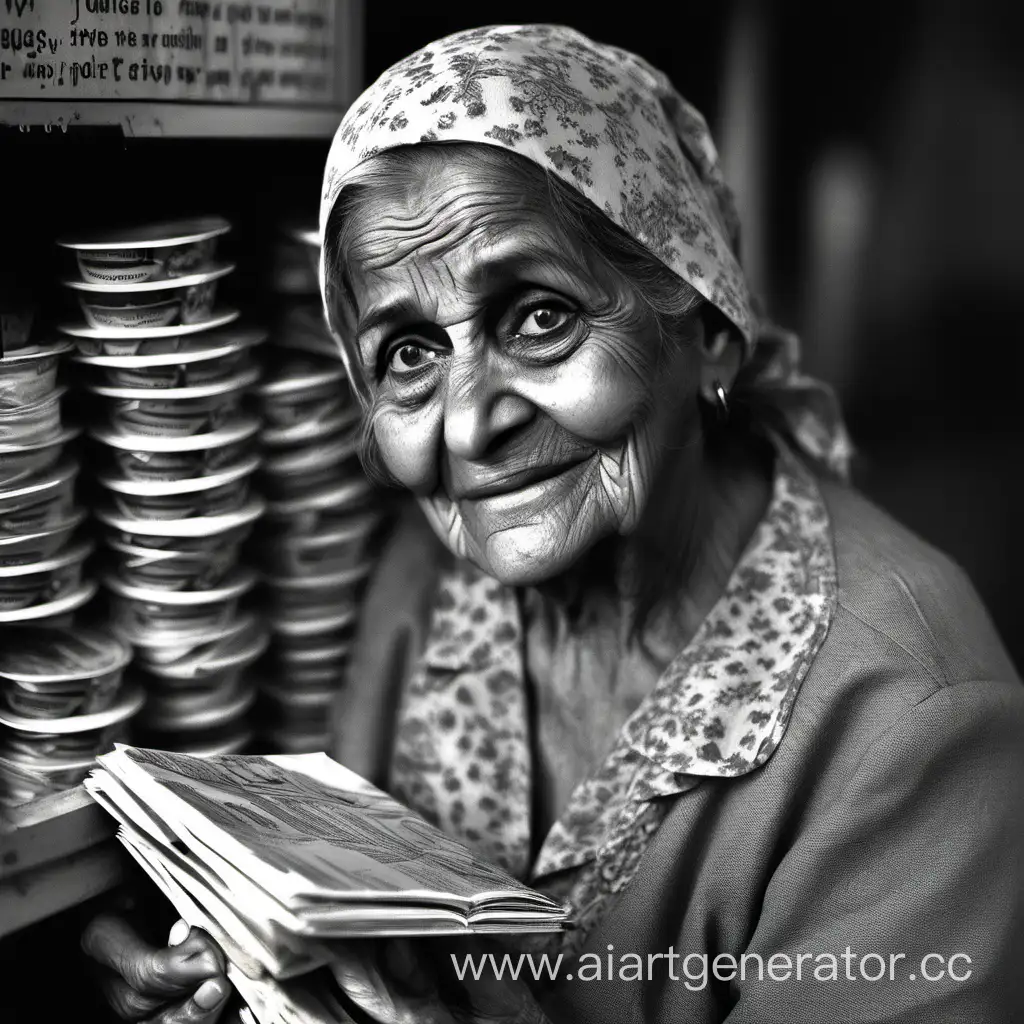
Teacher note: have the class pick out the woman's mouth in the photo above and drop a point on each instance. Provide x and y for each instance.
(518, 490)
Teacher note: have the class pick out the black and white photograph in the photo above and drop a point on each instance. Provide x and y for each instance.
(511, 513)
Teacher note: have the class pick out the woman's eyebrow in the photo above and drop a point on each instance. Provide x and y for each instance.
(520, 259)
(517, 260)
(388, 312)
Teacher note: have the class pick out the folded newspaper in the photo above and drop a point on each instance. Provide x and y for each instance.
(282, 857)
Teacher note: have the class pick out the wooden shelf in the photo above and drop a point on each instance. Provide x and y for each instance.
(48, 829)
(55, 853)
(51, 888)
(173, 120)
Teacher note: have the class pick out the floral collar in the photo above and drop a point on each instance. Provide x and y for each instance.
(720, 710)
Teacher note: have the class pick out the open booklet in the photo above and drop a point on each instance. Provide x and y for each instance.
(280, 857)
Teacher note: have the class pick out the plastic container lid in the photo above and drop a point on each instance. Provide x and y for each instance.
(57, 348)
(66, 603)
(216, 344)
(22, 540)
(312, 459)
(312, 430)
(330, 499)
(79, 553)
(150, 236)
(65, 470)
(235, 383)
(192, 719)
(241, 643)
(198, 526)
(162, 488)
(218, 318)
(25, 411)
(36, 653)
(66, 434)
(214, 273)
(130, 702)
(299, 656)
(160, 641)
(302, 627)
(243, 428)
(322, 581)
(242, 581)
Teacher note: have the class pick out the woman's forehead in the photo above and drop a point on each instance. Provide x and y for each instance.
(465, 243)
(456, 280)
(442, 215)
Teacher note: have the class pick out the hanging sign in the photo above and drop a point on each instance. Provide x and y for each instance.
(267, 53)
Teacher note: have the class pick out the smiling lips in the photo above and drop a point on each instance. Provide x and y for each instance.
(512, 485)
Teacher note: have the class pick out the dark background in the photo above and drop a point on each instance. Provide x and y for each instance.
(877, 153)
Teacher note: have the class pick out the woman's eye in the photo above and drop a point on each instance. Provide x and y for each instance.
(543, 320)
(408, 357)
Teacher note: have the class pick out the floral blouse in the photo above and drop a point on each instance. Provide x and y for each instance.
(462, 750)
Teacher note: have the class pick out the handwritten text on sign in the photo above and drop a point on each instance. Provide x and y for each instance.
(270, 51)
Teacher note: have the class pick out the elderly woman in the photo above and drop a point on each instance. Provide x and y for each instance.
(654, 656)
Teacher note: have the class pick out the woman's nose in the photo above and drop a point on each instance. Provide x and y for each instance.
(482, 406)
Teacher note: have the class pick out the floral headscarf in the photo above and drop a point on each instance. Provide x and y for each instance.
(612, 127)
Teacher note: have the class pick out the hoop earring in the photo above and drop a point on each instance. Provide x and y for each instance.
(721, 402)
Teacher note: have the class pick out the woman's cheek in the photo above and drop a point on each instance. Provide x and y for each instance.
(407, 442)
(599, 392)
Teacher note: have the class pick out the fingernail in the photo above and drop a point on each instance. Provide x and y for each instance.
(179, 933)
(210, 993)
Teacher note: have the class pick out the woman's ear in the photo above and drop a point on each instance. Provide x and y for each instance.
(722, 355)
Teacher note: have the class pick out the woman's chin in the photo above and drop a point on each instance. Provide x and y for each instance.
(526, 556)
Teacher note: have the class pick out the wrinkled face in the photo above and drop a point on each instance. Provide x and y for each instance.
(522, 394)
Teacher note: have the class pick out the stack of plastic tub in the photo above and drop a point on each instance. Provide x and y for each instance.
(61, 699)
(322, 512)
(62, 702)
(42, 555)
(168, 373)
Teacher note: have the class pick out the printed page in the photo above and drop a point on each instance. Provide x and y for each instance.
(263, 915)
(270, 1001)
(330, 922)
(142, 818)
(220, 875)
(305, 828)
(190, 911)
(244, 889)
(282, 954)
(178, 814)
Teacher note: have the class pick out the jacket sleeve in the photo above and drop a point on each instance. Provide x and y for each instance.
(915, 880)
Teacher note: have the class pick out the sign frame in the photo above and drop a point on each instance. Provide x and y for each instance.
(181, 119)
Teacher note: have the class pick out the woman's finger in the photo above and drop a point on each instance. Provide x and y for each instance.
(167, 973)
(126, 1002)
(205, 1006)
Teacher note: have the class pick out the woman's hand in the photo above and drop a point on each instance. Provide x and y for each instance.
(402, 981)
(184, 983)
